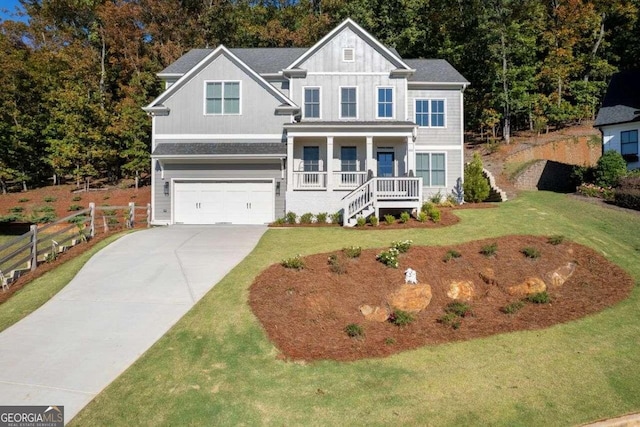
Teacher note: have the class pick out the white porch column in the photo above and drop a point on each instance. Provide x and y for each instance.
(370, 166)
(329, 163)
(289, 163)
(411, 156)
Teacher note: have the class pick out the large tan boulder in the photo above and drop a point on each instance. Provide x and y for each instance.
(461, 290)
(532, 285)
(411, 298)
(560, 275)
(374, 314)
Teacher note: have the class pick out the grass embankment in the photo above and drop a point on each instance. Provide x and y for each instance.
(40, 290)
(216, 366)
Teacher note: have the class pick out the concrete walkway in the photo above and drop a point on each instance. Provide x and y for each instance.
(121, 302)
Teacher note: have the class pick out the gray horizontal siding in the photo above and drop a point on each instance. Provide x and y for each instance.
(451, 133)
(187, 106)
(215, 171)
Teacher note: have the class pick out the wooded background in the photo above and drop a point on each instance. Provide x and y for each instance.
(76, 74)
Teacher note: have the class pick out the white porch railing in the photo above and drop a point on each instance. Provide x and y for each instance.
(309, 180)
(348, 180)
(363, 201)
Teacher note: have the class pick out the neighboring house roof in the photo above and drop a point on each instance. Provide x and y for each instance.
(434, 70)
(622, 102)
(258, 149)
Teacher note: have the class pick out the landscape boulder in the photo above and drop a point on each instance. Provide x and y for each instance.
(374, 314)
(461, 290)
(532, 285)
(411, 298)
(562, 274)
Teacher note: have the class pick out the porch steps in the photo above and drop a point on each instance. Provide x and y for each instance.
(496, 194)
(366, 212)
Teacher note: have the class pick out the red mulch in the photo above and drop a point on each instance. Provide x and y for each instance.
(305, 312)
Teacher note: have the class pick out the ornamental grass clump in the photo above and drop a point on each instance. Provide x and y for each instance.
(354, 330)
(489, 250)
(336, 265)
(556, 239)
(389, 257)
(530, 252)
(400, 318)
(451, 254)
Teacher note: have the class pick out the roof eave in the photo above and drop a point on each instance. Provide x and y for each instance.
(156, 110)
(217, 156)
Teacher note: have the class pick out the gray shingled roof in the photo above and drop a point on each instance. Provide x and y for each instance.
(220, 148)
(261, 60)
(434, 70)
(622, 102)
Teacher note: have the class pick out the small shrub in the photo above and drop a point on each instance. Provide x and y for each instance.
(76, 198)
(335, 265)
(361, 221)
(389, 341)
(389, 219)
(336, 218)
(75, 207)
(16, 209)
(400, 318)
(592, 190)
(452, 200)
(432, 211)
(46, 208)
(489, 250)
(42, 217)
(291, 217)
(49, 199)
(450, 319)
(610, 168)
(512, 308)
(402, 246)
(352, 251)
(374, 221)
(23, 200)
(556, 239)
(404, 217)
(422, 216)
(321, 218)
(530, 252)
(279, 221)
(389, 257)
(107, 197)
(11, 218)
(539, 298)
(436, 199)
(354, 330)
(459, 308)
(78, 219)
(295, 263)
(306, 218)
(451, 254)
(627, 192)
(476, 187)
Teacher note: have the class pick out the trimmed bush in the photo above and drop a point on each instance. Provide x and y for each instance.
(291, 217)
(402, 246)
(336, 218)
(321, 218)
(389, 257)
(476, 187)
(627, 193)
(422, 216)
(404, 217)
(389, 219)
(609, 169)
(306, 218)
(361, 221)
(374, 221)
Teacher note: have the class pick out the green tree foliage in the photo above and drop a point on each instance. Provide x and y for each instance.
(74, 78)
(609, 169)
(476, 187)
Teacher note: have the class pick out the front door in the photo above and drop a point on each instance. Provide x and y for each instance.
(385, 163)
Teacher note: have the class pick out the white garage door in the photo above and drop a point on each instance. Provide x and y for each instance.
(223, 202)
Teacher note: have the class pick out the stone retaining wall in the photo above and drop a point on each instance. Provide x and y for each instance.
(546, 175)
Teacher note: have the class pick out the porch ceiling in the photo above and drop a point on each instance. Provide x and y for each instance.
(343, 125)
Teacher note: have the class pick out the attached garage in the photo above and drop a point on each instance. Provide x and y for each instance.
(215, 202)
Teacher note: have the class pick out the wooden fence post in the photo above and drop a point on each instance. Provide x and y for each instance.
(92, 223)
(132, 214)
(148, 215)
(34, 247)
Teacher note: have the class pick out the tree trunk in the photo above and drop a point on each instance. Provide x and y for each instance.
(137, 179)
(4, 186)
(506, 129)
(596, 46)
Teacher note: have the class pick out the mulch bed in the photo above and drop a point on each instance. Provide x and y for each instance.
(305, 312)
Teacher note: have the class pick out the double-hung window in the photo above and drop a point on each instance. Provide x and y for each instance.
(348, 159)
(348, 103)
(312, 102)
(385, 102)
(222, 98)
(430, 113)
(629, 142)
(432, 168)
(311, 158)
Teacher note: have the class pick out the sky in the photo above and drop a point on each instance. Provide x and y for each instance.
(7, 7)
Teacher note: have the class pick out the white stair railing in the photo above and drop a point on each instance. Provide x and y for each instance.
(358, 200)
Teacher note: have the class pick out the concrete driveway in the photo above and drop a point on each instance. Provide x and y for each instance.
(121, 302)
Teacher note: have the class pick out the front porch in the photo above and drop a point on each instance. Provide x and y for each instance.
(355, 168)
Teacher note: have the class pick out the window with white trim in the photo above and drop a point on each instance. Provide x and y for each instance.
(222, 98)
(312, 102)
(430, 112)
(629, 142)
(348, 102)
(348, 159)
(311, 158)
(385, 102)
(432, 168)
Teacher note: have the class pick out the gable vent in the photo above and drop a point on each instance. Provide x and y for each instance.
(348, 54)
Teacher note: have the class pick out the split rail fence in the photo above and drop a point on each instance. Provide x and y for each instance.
(43, 244)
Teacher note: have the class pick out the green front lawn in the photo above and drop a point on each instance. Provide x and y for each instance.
(216, 366)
